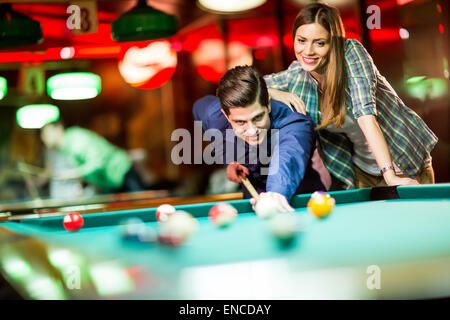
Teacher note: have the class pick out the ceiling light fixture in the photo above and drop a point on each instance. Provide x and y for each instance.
(143, 23)
(17, 29)
(3, 87)
(336, 3)
(229, 6)
(74, 86)
(35, 116)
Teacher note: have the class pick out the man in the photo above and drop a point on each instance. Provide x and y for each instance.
(243, 105)
(95, 159)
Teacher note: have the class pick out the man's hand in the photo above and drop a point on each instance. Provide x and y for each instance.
(236, 172)
(277, 202)
(290, 99)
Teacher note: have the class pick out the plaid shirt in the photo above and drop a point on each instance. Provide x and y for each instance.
(367, 93)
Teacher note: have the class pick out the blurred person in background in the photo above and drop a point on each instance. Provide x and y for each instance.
(93, 158)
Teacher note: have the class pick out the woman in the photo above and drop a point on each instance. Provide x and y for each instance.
(368, 137)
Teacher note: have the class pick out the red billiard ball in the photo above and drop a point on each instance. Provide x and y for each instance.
(164, 211)
(222, 214)
(73, 221)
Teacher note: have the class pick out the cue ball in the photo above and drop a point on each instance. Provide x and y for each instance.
(73, 221)
(164, 211)
(320, 204)
(284, 226)
(222, 214)
(265, 208)
(178, 227)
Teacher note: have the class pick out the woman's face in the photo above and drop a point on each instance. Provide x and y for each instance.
(311, 47)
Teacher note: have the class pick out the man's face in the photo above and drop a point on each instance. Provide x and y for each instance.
(51, 136)
(250, 123)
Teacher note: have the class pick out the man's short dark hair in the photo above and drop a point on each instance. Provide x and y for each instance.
(241, 87)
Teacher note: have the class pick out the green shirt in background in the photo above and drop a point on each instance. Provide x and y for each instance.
(99, 162)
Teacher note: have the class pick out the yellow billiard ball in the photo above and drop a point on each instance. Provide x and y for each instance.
(321, 204)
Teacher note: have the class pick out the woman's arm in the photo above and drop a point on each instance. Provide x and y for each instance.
(288, 98)
(380, 150)
(278, 86)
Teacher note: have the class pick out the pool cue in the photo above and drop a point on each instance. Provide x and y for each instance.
(250, 188)
(30, 169)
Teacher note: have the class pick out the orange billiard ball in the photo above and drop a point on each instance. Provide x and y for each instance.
(321, 204)
(73, 221)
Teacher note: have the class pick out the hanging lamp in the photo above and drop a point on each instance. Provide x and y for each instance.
(3, 87)
(143, 23)
(17, 29)
(229, 6)
(74, 86)
(35, 116)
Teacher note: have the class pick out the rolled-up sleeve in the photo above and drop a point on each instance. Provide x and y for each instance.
(362, 79)
(282, 80)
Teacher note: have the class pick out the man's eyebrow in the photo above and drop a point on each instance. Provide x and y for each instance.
(253, 118)
(258, 115)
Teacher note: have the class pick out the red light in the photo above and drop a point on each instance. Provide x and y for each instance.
(158, 80)
(149, 67)
(402, 2)
(352, 35)
(99, 51)
(266, 41)
(177, 46)
(439, 8)
(209, 73)
(287, 40)
(384, 35)
(441, 28)
(260, 54)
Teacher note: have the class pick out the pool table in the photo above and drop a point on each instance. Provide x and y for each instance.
(377, 243)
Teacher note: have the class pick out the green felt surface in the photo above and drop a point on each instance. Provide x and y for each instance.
(408, 238)
(355, 233)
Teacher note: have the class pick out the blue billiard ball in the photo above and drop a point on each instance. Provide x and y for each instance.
(135, 230)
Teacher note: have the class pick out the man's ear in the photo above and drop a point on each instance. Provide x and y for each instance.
(269, 106)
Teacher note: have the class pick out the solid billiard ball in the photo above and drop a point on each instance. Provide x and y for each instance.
(265, 208)
(73, 221)
(164, 211)
(178, 227)
(222, 214)
(320, 204)
(134, 229)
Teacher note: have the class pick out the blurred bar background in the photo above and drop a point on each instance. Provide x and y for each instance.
(148, 87)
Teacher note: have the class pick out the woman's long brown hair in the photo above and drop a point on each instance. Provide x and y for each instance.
(332, 103)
